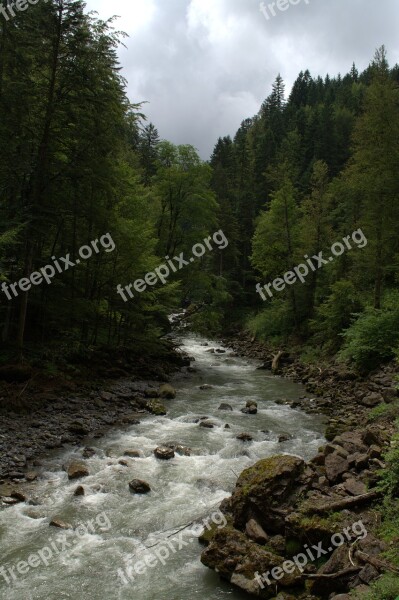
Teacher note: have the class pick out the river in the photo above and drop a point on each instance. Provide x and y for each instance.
(125, 527)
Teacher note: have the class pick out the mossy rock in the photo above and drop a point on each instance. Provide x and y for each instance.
(269, 484)
(156, 407)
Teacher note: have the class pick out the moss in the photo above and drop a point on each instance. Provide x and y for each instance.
(263, 471)
(156, 408)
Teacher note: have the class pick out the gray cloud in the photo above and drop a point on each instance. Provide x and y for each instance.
(205, 65)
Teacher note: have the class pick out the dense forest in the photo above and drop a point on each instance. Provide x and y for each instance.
(79, 162)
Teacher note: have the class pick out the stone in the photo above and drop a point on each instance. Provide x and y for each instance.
(354, 487)
(371, 400)
(284, 437)
(80, 491)
(375, 452)
(31, 476)
(77, 470)
(132, 453)
(155, 407)
(18, 496)
(60, 524)
(167, 391)
(164, 453)
(207, 424)
(88, 452)
(206, 387)
(335, 466)
(244, 437)
(268, 483)
(255, 532)
(137, 486)
(225, 406)
(368, 574)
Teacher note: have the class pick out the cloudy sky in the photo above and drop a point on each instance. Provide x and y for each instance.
(205, 65)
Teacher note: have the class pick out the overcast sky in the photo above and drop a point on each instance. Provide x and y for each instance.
(205, 65)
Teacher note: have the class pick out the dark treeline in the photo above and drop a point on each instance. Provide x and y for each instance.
(78, 161)
(301, 175)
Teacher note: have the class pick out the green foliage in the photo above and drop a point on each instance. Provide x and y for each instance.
(386, 588)
(274, 323)
(390, 476)
(373, 337)
(334, 315)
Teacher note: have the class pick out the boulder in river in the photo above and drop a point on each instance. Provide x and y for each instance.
(179, 448)
(207, 424)
(206, 386)
(225, 406)
(137, 486)
(167, 391)
(80, 491)
(164, 453)
(77, 470)
(245, 437)
(18, 496)
(132, 453)
(156, 408)
(60, 524)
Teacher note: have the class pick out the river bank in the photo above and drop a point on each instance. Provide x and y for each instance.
(283, 505)
(45, 413)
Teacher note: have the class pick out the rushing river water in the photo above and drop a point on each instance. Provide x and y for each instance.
(126, 527)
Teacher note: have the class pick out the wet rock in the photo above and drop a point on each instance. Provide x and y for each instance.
(225, 406)
(60, 524)
(207, 424)
(284, 437)
(206, 387)
(88, 452)
(164, 453)
(244, 437)
(123, 462)
(277, 544)
(137, 486)
(9, 501)
(251, 408)
(80, 491)
(18, 496)
(132, 453)
(77, 471)
(31, 476)
(179, 448)
(167, 391)
(156, 408)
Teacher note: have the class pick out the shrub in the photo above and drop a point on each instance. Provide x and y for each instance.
(373, 337)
